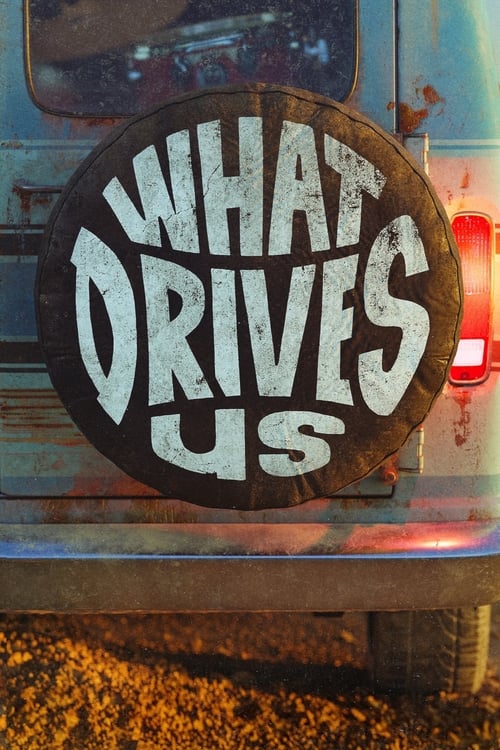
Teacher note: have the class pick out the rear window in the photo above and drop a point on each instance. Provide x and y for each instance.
(118, 57)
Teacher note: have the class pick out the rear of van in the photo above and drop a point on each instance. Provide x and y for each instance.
(416, 542)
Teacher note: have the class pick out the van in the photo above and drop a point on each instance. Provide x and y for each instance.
(249, 331)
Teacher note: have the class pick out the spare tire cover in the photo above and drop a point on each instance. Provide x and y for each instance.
(248, 297)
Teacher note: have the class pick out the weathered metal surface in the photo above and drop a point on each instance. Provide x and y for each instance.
(319, 568)
(43, 453)
(431, 541)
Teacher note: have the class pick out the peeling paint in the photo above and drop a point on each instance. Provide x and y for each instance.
(25, 203)
(462, 424)
(13, 145)
(465, 183)
(430, 95)
(409, 118)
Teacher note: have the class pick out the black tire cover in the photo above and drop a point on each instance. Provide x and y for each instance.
(248, 297)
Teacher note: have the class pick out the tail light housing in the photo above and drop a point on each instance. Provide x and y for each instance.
(474, 235)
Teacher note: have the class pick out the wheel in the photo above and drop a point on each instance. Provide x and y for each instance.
(428, 651)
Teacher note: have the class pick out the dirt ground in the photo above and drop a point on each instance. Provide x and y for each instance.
(154, 682)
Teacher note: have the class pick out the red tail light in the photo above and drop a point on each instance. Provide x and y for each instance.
(474, 237)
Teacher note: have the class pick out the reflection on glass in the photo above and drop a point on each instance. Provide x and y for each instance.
(110, 57)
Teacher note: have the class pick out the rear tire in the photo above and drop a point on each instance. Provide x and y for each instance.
(429, 651)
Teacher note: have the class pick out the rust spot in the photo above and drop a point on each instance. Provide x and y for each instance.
(462, 424)
(24, 198)
(409, 118)
(480, 515)
(430, 95)
(465, 180)
(81, 124)
(28, 199)
(111, 486)
(390, 106)
(102, 122)
(11, 144)
(389, 471)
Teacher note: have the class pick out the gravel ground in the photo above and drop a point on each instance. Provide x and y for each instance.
(238, 681)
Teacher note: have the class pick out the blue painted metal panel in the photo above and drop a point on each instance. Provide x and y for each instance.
(17, 311)
(375, 92)
(446, 69)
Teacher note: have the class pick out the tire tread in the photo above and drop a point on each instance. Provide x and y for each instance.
(430, 650)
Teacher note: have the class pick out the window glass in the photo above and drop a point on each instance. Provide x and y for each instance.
(112, 57)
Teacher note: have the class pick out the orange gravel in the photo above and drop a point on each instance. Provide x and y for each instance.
(157, 682)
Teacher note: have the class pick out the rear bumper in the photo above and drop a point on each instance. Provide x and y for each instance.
(431, 541)
(117, 567)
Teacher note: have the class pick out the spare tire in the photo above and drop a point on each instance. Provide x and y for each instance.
(249, 297)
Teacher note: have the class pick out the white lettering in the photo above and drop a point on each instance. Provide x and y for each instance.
(169, 350)
(275, 375)
(176, 299)
(180, 222)
(382, 391)
(94, 261)
(226, 459)
(339, 276)
(244, 191)
(357, 175)
(293, 193)
(283, 431)
(225, 326)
